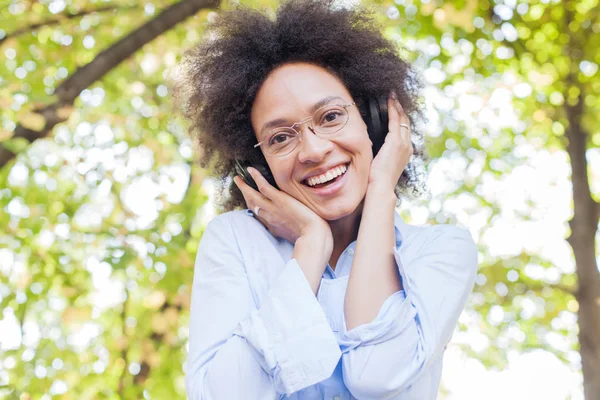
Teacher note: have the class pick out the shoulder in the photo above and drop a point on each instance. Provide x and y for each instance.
(233, 219)
(443, 240)
(416, 235)
(238, 225)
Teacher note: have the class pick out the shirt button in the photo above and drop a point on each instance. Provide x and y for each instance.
(351, 252)
(336, 397)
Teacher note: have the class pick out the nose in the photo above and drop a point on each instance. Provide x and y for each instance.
(312, 148)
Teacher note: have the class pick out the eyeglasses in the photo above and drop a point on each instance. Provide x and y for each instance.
(325, 122)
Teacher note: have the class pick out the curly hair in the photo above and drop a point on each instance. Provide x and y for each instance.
(222, 75)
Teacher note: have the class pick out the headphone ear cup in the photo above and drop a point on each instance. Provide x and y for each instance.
(241, 168)
(383, 115)
(266, 172)
(377, 121)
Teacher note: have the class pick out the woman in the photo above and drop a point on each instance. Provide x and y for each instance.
(318, 290)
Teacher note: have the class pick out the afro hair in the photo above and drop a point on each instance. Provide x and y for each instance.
(222, 75)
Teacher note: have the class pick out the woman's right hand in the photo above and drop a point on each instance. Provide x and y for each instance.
(282, 215)
(287, 218)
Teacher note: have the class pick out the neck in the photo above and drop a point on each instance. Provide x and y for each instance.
(344, 231)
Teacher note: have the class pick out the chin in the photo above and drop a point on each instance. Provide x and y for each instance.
(339, 212)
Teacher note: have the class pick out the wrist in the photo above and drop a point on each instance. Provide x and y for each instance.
(312, 254)
(317, 240)
(311, 236)
(316, 230)
(381, 192)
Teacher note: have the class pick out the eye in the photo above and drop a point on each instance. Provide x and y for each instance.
(279, 138)
(331, 116)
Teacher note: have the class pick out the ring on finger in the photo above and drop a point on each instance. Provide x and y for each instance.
(256, 210)
(405, 126)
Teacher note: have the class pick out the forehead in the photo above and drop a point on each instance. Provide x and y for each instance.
(295, 88)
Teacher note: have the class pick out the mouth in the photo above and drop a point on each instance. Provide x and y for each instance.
(331, 183)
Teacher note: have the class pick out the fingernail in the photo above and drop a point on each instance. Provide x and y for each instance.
(394, 95)
(249, 170)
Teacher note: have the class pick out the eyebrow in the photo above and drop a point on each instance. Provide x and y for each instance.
(281, 121)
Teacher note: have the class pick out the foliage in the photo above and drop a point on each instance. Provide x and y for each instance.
(511, 75)
(95, 279)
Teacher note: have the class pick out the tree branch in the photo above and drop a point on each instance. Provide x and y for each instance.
(60, 18)
(103, 63)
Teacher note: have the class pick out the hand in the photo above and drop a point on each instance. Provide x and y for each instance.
(396, 151)
(280, 213)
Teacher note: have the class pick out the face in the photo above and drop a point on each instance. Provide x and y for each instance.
(288, 95)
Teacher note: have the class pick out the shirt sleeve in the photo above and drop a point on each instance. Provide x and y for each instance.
(384, 357)
(237, 350)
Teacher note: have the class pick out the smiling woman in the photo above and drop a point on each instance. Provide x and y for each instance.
(321, 291)
(290, 93)
(223, 74)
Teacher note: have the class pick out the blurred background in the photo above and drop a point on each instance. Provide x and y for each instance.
(102, 206)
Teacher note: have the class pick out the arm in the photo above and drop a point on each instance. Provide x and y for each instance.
(371, 285)
(239, 351)
(374, 277)
(383, 357)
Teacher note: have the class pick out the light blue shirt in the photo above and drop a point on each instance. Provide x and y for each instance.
(257, 331)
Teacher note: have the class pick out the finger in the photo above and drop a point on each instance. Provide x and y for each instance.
(244, 188)
(393, 116)
(406, 130)
(251, 196)
(258, 199)
(248, 191)
(403, 117)
(398, 134)
(396, 114)
(263, 185)
(242, 185)
(401, 122)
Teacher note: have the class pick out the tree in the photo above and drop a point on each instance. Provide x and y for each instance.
(74, 230)
(543, 56)
(44, 118)
(96, 281)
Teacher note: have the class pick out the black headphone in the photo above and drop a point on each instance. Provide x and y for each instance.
(376, 119)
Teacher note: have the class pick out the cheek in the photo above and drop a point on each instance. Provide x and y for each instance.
(360, 145)
(283, 173)
(364, 155)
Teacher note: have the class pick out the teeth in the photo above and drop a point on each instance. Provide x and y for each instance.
(327, 176)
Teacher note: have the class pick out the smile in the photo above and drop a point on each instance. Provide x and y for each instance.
(329, 182)
(327, 177)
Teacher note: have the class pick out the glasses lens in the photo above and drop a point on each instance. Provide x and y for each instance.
(281, 142)
(330, 119)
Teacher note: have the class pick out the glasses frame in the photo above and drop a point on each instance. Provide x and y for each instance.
(302, 122)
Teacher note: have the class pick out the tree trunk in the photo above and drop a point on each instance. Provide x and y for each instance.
(584, 224)
(103, 63)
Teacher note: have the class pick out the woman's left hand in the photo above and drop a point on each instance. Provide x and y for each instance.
(395, 153)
